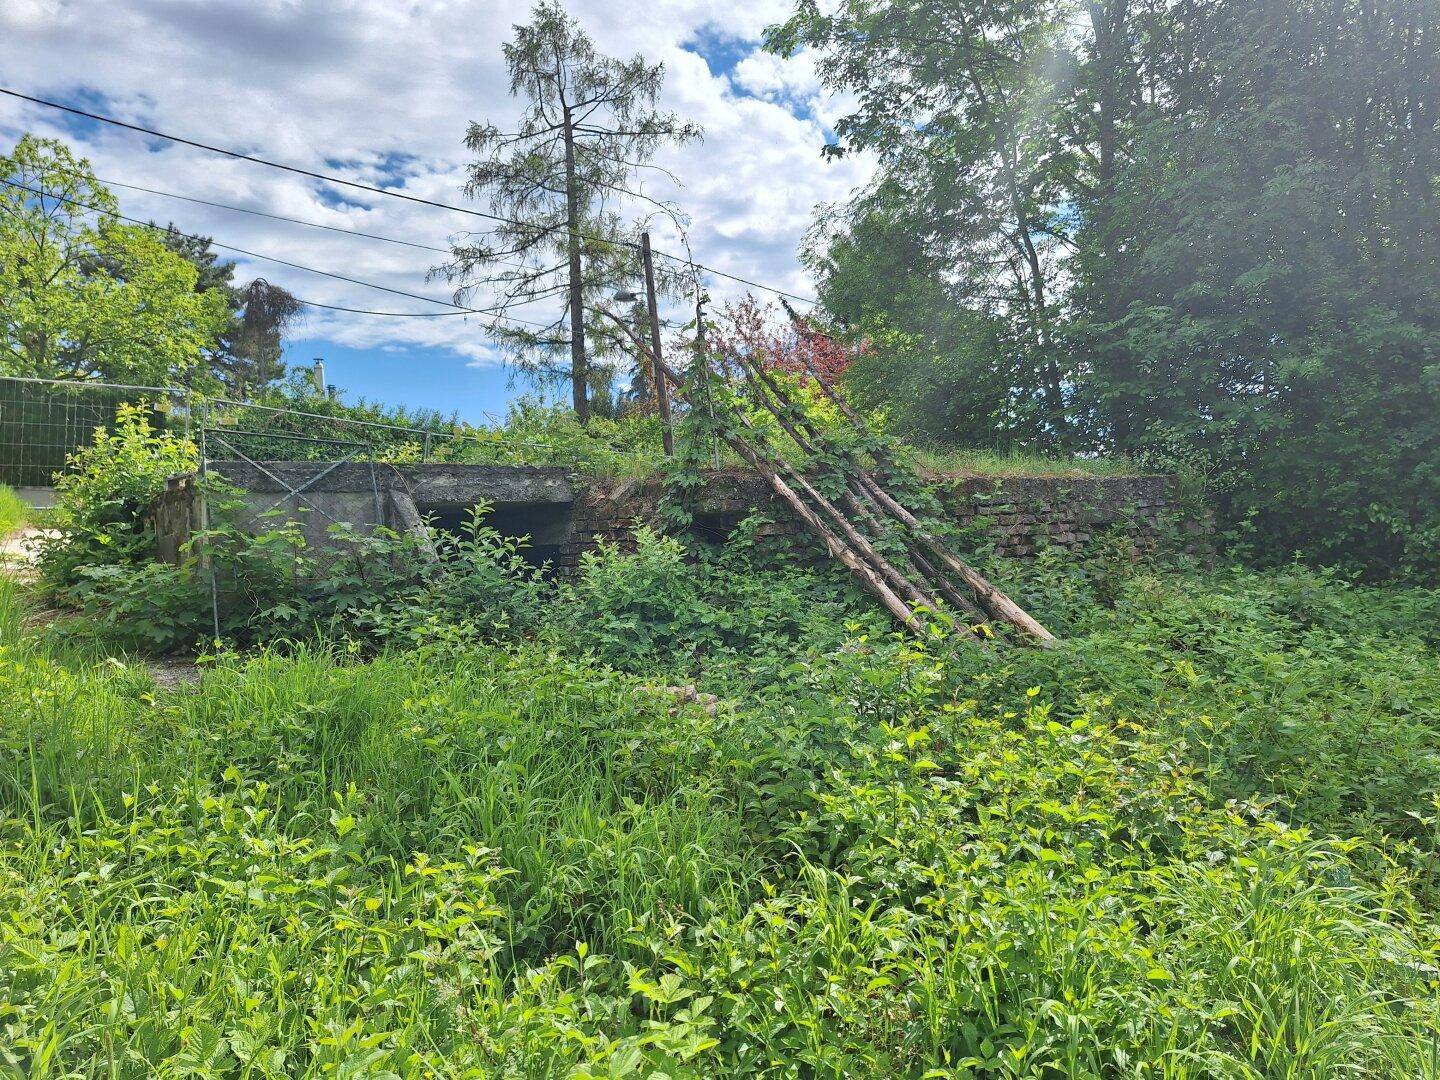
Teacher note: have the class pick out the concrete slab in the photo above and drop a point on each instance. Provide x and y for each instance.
(40, 498)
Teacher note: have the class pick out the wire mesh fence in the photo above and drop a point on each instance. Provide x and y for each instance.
(45, 421)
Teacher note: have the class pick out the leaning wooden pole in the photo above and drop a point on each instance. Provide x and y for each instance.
(868, 576)
(857, 540)
(990, 598)
(855, 497)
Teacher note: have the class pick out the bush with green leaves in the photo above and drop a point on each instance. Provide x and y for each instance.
(728, 611)
(376, 587)
(103, 497)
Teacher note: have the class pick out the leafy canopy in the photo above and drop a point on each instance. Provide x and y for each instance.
(1199, 232)
(83, 296)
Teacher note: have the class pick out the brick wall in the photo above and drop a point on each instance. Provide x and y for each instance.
(1019, 513)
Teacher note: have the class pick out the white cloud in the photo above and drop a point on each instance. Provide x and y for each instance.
(345, 86)
(769, 76)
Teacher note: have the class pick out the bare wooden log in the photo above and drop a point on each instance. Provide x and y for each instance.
(887, 570)
(806, 436)
(869, 579)
(868, 574)
(990, 597)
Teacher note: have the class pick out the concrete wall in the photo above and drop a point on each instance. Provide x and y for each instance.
(566, 512)
(318, 494)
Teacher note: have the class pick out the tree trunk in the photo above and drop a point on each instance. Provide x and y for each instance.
(579, 367)
(662, 392)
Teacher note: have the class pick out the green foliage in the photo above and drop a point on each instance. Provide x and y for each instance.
(533, 433)
(13, 510)
(479, 861)
(377, 587)
(1294, 690)
(86, 300)
(103, 498)
(1271, 313)
(1203, 234)
(249, 353)
(727, 614)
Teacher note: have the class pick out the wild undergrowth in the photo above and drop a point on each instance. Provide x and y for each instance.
(13, 511)
(877, 858)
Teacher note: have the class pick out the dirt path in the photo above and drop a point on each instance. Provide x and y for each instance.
(21, 550)
(19, 554)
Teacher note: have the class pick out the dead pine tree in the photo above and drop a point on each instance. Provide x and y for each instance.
(582, 145)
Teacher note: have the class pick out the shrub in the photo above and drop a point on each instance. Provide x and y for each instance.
(726, 612)
(102, 497)
(499, 861)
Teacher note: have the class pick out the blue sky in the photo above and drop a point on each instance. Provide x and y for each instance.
(418, 378)
(382, 93)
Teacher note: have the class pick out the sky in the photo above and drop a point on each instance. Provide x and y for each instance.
(382, 91)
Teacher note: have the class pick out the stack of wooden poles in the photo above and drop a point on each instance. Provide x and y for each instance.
(920, 569)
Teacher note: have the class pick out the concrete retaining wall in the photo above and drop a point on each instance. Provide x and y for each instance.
(565, 513)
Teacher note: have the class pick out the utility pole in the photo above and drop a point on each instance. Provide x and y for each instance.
(704, 363)
(579, 375)
(662, 392)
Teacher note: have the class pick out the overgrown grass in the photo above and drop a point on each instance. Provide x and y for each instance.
(960, 462)
(883, 859)
(13, 511)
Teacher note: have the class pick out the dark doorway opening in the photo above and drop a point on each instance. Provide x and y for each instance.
(713, 528)
(545, 526)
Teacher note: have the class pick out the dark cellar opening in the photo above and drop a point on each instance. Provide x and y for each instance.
(713, 528)
(546, 525)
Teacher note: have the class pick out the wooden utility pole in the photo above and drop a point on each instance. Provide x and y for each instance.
(662, 390)
(579, 373)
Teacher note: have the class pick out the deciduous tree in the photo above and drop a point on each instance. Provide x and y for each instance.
(83, 296)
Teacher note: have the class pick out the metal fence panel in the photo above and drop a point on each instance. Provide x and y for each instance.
(43, 422)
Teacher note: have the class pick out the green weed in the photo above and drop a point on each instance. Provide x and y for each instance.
(13, 511)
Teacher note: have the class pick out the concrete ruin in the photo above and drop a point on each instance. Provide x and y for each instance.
(564, 513)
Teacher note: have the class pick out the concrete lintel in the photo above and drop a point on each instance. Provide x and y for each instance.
(428, 484)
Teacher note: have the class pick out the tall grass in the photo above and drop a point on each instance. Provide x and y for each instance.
(13, 511)
(483, 862)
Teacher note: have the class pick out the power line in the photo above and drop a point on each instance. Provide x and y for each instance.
(272, 217)
(458, 309)
(385, 191)
(229, 247)
(282, 217)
